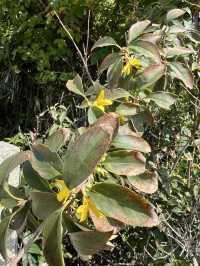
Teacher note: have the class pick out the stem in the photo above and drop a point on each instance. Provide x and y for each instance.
(75, 45)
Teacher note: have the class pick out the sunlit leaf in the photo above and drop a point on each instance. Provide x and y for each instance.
(163, 99)
(108, 60)
(75, 85)
(146, 49)
(181, 72)
(105, 41)
(127, 109)
(137, 29)
(152, 74)
(123, 204)
(115, 94)
(146, 182)
(52, 244)
(45, 162)
(114, 73)
(176, 51)
(131, 142)
(44, 203)
(175, 13)
(58, 139)
(89, 243)
(126, 163)
(4, 225)
(33, 179)
(11, 163)
(83, 156)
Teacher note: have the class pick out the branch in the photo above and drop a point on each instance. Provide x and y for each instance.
(75, 45)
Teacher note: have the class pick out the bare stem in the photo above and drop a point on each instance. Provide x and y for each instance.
(75, 45)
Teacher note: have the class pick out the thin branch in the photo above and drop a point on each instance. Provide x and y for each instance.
(75, 45)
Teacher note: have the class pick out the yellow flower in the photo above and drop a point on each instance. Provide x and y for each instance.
(127, 69)
(101, 101)
(62, 191)
(122, 119)
(83, 210)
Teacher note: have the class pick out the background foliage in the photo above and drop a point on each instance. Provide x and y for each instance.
(37, 58)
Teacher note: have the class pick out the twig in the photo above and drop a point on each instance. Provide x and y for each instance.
(75, 45)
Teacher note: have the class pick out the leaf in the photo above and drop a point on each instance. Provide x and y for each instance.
(105, 41)
(176, 51)
(11, 163)
(69, 224)
(131, 142)
(146, 182)
(83, 156)
(137, 29)
(175, 13)
(163, 99)
(75, 85)
(146, 49)
(90, 242)
(33, 179)
(4, 225)
(108, 60)
(101, 223)
(123, 204)
(142, 119)
(58, 139)
(44, 203)
(180, 72)
(45, 162)
(52, 245)
(114, 73)
(19, 218)
(127, 109)
(125, 163)
(152, 74)
(93, 114)
(114, 94)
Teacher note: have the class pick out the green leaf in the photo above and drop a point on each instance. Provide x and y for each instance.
(123, 204)
(52, 245)
(4, 225)
(108, 60)
(83, 156)
(11, 163)
(58, 139)
(93, 114)
(89, 242)
(181, 72)
(19, 218)
(131, 142)
(45, 162)
(105, 41)
(146, 49)
(114, 73)
(142, 119)
(115, 94)
(69, 224)
(125, 163)
(170, 52)
(152, 74)
(33, 179)
(137, 29)
(44, 203)
(75, 85)
(146, 182)
(175, 13)
(163, 99)
(126, 109)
